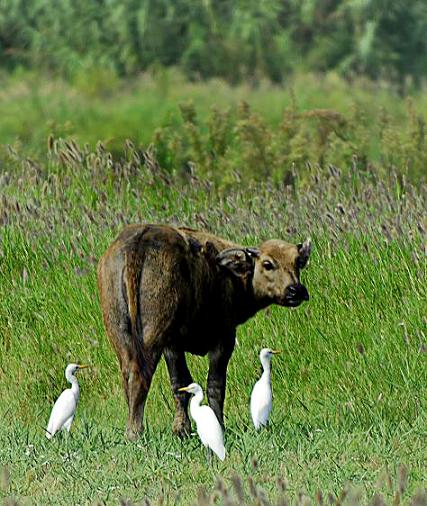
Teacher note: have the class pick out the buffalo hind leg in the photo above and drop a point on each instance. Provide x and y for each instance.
(180, 377)
(124, 369)
(218, 362)
(139, 376)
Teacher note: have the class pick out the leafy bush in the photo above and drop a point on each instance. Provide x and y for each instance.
(222, 132)
(235, 40)
(238, 143)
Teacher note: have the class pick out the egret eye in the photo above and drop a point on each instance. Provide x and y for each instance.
(268, 266)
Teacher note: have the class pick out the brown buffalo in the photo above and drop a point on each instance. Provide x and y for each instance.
(175, 290)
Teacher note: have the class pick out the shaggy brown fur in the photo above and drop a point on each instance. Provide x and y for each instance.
(175, 290)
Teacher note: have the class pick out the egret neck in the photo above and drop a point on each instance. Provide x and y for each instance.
(195, 402)
(74, 383)
(266, 366)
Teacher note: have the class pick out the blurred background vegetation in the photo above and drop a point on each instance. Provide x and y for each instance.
(227, 89)
(235, 40)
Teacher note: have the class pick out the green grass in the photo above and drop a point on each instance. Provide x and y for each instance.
(96, 462)
(379, 127)
(349, 387)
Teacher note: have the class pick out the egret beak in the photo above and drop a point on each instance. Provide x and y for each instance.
(85, 366)
(183, 389)
(275, 352)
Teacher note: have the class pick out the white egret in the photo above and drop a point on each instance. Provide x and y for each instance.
(64, 408)
(208, 426)
(262, 397)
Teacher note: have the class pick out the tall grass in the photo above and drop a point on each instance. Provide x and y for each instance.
(219, 131)
(349, 388)
(241, 490)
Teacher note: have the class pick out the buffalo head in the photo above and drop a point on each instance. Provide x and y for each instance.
(273, 270)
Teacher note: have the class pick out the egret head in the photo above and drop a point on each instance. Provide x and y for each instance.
(193, 388)
(267, 353)
(71, 369)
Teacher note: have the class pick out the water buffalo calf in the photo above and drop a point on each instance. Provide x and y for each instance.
(175, 290)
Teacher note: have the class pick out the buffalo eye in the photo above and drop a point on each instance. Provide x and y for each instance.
(268, 266)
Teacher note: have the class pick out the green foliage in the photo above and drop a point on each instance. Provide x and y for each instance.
(349, 388)
(222, 132)
(237, 40)
(239, 143)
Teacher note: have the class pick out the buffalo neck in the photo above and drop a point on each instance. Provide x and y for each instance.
(244, 303)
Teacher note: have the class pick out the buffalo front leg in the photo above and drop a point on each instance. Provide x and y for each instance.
(180, 377)
(218, 362)
(139, 375)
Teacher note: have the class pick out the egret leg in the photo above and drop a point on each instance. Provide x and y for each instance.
(208, 456)
(180, 376)
(67, 424)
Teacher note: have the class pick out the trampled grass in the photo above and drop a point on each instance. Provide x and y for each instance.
(349, 387)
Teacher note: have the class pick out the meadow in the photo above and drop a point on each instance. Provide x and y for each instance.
(257, 131)
(350, 386)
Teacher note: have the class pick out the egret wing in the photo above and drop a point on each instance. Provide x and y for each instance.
(210, 431)
(63, 409)
(261, 403)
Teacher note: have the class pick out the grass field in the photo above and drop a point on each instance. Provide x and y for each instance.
(314, 118)
(350, 387)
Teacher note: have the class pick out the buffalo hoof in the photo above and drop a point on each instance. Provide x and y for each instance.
(132, 434)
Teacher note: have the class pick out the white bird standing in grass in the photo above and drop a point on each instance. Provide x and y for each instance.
(262, 397)
(208, 426)
(64, 408)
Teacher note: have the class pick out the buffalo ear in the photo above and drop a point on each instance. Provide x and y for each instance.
(253, 252)
(210, 250)
(237, 260)
(304, 250)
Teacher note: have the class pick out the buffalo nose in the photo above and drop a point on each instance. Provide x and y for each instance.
(298, 291)
(292, 290)
(303, 293)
